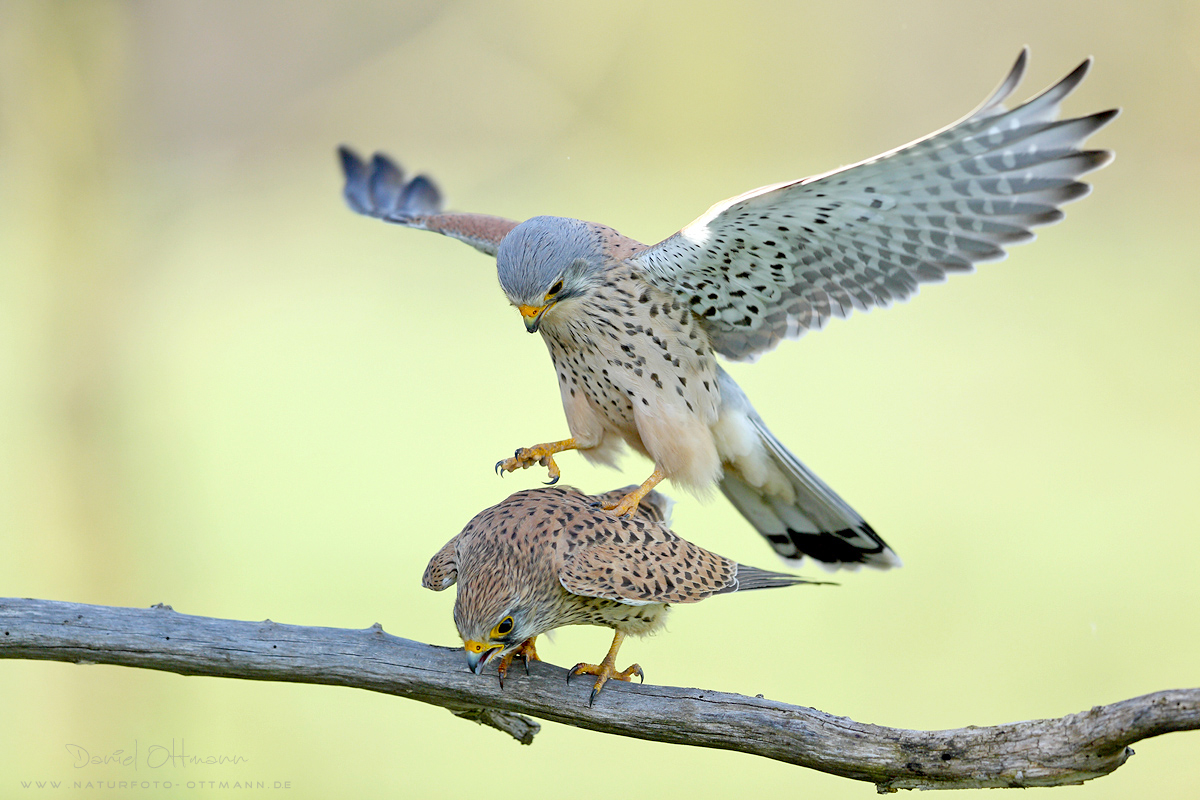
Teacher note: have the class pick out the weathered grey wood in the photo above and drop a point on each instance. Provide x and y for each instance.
(1050, 752)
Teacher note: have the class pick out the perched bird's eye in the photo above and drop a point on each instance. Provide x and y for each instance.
(504, 628)
(555, 289)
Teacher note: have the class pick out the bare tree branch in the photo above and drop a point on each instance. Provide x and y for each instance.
(1051, 752)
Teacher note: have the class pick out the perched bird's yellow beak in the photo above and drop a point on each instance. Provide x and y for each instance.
(478, 654)
(533, 316)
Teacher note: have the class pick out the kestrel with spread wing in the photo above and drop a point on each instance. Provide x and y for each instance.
(545, 558)
(634, 330)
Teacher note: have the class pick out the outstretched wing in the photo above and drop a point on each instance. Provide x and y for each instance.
(379, 190)
(779, 260)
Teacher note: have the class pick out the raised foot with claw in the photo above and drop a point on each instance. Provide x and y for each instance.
(539, 454)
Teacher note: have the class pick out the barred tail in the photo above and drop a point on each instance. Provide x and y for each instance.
(754, 578)
(784, 500)
(814, 522)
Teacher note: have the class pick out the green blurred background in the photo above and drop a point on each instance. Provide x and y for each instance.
(221, 390)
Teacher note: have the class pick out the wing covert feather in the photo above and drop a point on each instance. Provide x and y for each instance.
(645, 563)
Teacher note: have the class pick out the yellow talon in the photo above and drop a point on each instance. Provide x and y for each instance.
(525, 651)
(606, 670)
(540, 454)
(627, 505)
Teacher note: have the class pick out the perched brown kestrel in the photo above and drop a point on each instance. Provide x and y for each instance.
(545, 558)
(634, 330)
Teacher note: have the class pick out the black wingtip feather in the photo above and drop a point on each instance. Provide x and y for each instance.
(1073, 78)
(1006, 87)
(1092, 160)
(1059, 91)
(1072, 192)
(1102, 118)
(1051, 217)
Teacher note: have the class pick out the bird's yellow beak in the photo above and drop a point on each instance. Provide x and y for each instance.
(478, 654)
(533, 316)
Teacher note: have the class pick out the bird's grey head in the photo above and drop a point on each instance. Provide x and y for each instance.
(546, 261)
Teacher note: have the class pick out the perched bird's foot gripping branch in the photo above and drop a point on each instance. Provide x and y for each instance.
(526, 652)
(606, 669)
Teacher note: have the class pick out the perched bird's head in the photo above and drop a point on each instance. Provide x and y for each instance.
(548, 261)
(495, 610)
(489, 625)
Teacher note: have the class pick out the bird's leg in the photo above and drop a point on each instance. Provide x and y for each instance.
(538, 454)
(525, 651)
(528, 652)
(629, 503)
(607, 669)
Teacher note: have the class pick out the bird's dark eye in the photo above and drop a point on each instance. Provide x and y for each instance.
(557, 287)
(504, 628)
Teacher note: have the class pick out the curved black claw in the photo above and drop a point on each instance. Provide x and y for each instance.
(592, 698)
(637, 670)
(552, 481)
(500, 471)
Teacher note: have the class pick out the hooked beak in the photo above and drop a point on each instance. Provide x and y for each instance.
(478, 654)
(533, 316)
